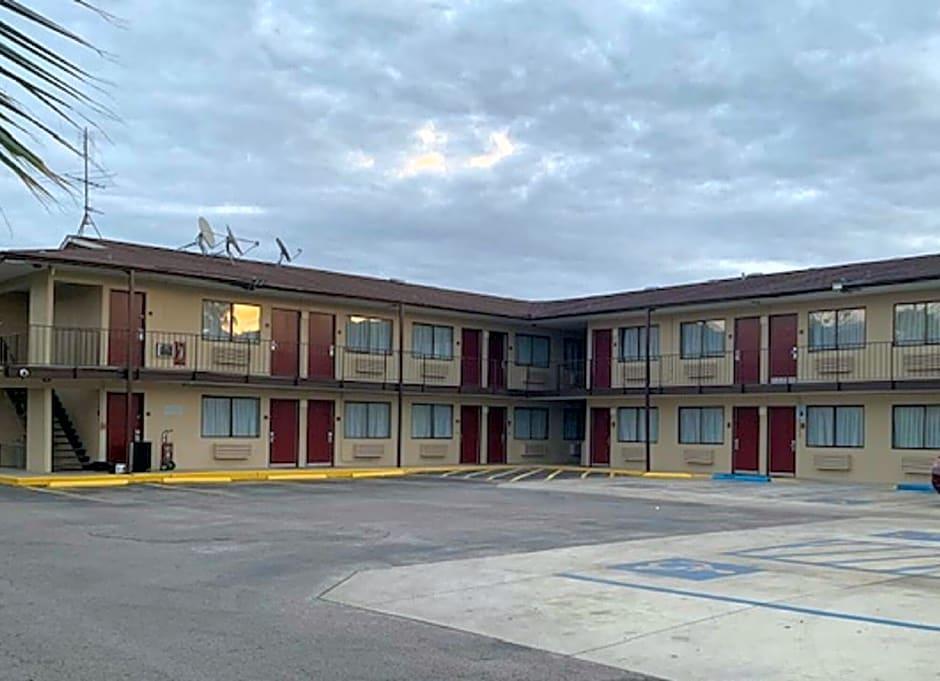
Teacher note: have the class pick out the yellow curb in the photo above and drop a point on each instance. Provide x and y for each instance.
(97, 482)
(196, 480)
(378, 474)
(294, 477)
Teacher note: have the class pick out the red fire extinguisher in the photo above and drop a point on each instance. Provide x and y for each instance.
(166, 452)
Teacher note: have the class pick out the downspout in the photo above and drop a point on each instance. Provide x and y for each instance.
(401, 378)
(646, 391)
(129, 396)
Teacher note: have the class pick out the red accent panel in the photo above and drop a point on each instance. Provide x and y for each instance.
(746, 439)
(497, 358)
(285, 342)
(118, 326)
(116, 421)
(496, 435)
(470, 358)
(320, 431)
(783, 332)
(781, 422)
(285, 427)
(747, 350)
(600, 437)
(469, 434)
(600, 376)
(320, 341)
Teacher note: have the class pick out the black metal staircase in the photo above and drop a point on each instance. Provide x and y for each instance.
(68, 450)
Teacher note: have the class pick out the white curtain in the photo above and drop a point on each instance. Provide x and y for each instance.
(523, 349)
(689, 425)
(654, 342)
(909, 426)
(245, 421)
(422, 340)
(691, 340)
(380, 420)
(357, 334)
(539, 424)
(357, 420)
(851, 325)
(443, 421)
(421, 421)
(714, 338)
(909, 324)
(654, 425)
(443, 347)
(822, 330)
(380, 333)
(523, 424)
(933, 322)
(820, 426)
(627, 427)
(540, 352)
(713, 422)
(850, 427)
(216, 417)
(573, 426)
(630, 346)
(932, 428)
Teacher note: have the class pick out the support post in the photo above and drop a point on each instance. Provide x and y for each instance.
(646, 391)
(401, 377)
(129, 396)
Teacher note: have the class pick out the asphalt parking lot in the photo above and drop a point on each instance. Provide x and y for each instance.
(360, 579)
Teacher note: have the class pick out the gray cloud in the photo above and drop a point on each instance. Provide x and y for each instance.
(653, 141)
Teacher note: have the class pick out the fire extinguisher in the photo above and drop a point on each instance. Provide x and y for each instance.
(166, 452)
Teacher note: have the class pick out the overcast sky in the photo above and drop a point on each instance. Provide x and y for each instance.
(533, 148)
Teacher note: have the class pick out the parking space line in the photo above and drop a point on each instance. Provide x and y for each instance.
(769, 605)
(523, 476)
(194, 490)
(585, 474)
(73, 495)
(555, 474)
(503, 474)
(474, 474)
(450, 473)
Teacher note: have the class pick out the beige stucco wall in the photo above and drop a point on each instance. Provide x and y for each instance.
(14, 312)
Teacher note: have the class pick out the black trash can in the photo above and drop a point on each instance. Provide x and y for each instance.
(142, 454)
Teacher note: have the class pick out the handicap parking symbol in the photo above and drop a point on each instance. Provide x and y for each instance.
(687, 568)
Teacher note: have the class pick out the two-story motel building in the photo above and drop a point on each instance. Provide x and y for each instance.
(828, 373)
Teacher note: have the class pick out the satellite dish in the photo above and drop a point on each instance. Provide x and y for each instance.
(206, 233)
(286, 255)
(231, 243)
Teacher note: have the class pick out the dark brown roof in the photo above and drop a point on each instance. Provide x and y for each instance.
(259, 275)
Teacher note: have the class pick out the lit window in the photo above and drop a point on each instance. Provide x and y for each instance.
(225, 321)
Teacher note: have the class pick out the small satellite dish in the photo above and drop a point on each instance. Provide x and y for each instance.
(206, 233)
(286, 255)
(231, 243)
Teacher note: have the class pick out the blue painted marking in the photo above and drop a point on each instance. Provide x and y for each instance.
(831, 614)
(915, 487)
(686, 568)
(913, 535)
(740, 477)
(838, 566)
(838, 500)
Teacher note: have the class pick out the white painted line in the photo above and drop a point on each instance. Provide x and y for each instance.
(72, 495)
(475, 474)
(585, 474)
(554, 475)
(453, 472)
(523, 476)
(194, 490)
(503, 474)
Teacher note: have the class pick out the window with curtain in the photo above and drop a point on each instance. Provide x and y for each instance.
(917, 323)
(231, 417)
(432, 341)
(432, 421)
(532, 351)
(573, 424)
(369, 335)
(531, 423)
(702, 339)
(631, 424)
(837, 329)
(224, 321)
(368, 420)
(701, 425)
(916, 427)
(835, 427)
(633, 343)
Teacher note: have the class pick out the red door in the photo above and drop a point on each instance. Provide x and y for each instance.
(116, 420)
(746, 439)
(118, 329)
(783, 330)
(497, 360)
(781, 422)
(285, 427)
(600, 437)
(747, 350)
(285, 342)
(496, 435)
(469, 434)
(320, 432)
(600, 376)
(470, 358)
(320, 342)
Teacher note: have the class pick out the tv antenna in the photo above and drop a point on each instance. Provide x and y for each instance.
(89, 180)
(286, 255)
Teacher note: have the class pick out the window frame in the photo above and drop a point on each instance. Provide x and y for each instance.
(434, 354)
(699, 440)
(231, 335)
(433, 406)
(515, 424)
(368, 350)
(231, 417)
(835, 430)
(530, 363)
(913, 344)
(922, 406)
(702, 354)
(837, 345)
(346, 434)
(639, 412)
(655, 354)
